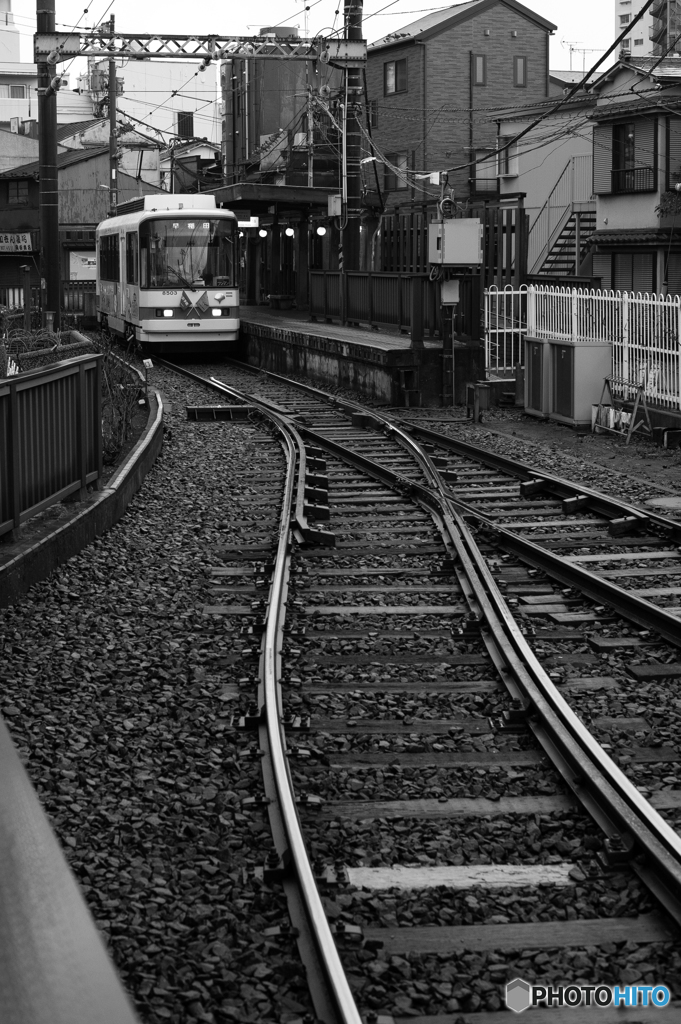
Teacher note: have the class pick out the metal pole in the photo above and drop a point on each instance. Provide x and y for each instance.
(27, 297)
(113, 155)
(353, 142)
(49, 182)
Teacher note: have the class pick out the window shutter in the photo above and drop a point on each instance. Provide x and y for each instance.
(673, 151)
(642, 273)
(645, 141)
(602, 267)
(603, 159)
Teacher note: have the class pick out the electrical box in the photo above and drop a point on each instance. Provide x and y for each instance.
(576, 374)
(455, 242)
(335, 206)
(537, 377)
(450, 292)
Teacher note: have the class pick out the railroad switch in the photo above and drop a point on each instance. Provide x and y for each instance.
(574, 504)
(625, 525)
(530, 487)
(314, 464)
(439, 461)
(618, 849)
(315, 511)
(317, 495)
(320, 480)
(450, 476)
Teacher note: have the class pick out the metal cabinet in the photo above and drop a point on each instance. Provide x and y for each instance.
(536, 377)
(576, 373)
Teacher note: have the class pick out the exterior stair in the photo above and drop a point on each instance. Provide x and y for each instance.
(560, 260)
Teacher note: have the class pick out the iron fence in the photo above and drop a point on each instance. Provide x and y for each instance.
(377, 299)
(644, 331)
(50, 437)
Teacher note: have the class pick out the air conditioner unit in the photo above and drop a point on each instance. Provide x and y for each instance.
(300, 139)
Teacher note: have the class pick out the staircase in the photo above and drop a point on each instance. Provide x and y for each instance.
(559, 235)
(567, 251)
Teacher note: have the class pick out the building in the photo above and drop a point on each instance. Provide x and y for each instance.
(637, 165)
(639, 42)
(171, 99)
(268, 106)
(434, 85)
(83, 203)
(190, 166)
(552, 168)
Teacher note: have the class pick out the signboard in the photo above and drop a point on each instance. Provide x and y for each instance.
(14, 242)
(252, 222)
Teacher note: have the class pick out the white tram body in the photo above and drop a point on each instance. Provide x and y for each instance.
(167, 273)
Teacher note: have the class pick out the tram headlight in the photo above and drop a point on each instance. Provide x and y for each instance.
(164, 312)
(217, 312)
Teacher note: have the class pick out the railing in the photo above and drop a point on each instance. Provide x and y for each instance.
(78, 297)
(644, 331)
(634, 179)
(573, 186)
(381, 300)
(505, 329)
(12, 296)
(50, 437)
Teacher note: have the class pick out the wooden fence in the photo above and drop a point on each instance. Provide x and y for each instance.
(50, 437)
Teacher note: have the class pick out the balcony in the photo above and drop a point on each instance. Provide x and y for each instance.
(634, 179)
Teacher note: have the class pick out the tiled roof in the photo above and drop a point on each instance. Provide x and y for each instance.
(73, 156)
(65, 131)
(631, 236)
(433, 23)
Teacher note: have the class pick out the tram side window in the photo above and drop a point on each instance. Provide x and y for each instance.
(131, 257)
(109, 264)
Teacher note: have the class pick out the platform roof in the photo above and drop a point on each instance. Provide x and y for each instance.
(248, 195)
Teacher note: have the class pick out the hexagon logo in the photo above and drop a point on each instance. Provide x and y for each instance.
(518, 995)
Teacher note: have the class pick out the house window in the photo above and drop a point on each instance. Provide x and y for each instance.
(624, 20)
(479, 69)
(372, 111)
(633, 272)
(484, 178)
(185, 124)
(638, 42)
(633, 156)
(625, 44)
(131, 257)
(395, 76)
(673, 152)
(109, 265)
(396, 178)
(520, 72)
(18, 193)
(507, 159)
(17, 92)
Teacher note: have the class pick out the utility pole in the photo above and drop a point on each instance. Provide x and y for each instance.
(49, 181)
(353, 142)
(113, 156)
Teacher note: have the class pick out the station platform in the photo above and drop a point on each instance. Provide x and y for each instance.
(377, 364)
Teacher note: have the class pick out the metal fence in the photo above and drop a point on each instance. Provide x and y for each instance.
(377, 299)
(78, 297)
(644, 331)
(50, 437)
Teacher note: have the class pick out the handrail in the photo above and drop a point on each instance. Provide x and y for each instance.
(544, 226)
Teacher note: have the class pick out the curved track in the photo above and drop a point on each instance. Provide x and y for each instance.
(346, 464)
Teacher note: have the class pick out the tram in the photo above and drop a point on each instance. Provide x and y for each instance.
(167, 274)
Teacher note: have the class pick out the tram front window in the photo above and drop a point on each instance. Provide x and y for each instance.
(195, 252)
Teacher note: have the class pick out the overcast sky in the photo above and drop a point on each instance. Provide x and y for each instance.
(587, 24)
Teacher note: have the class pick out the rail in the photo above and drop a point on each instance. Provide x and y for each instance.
(406, 301)
(598, 783)
(50, 437)
(330, 990)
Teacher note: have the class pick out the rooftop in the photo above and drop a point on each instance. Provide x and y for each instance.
(73, 156)
(438, 21)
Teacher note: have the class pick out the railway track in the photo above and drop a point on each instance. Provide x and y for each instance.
(448, 812)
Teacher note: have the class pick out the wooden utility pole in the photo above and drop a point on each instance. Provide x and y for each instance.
(113, 155)
(353, 142)
(48, 176)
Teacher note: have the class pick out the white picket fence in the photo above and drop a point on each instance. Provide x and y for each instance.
(644, 330)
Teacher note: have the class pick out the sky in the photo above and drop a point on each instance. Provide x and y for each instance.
(586, 24)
